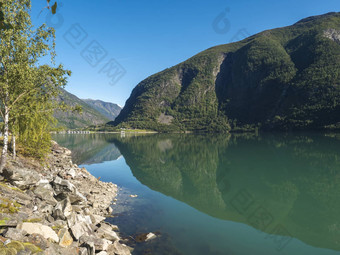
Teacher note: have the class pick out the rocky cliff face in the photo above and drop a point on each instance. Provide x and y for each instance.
(285, 78)
(56, 209)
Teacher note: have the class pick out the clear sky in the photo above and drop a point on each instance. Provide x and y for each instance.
(112, 45)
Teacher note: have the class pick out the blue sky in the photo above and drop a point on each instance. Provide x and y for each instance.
(112, 45)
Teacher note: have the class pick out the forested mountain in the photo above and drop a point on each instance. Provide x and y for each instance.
(285, 78)
(109, 110)
(88, 117)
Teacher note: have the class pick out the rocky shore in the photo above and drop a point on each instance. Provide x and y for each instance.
(57, 208)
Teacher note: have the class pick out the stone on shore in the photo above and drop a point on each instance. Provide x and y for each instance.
(82, 251)
(56, 198)
(91, 250)
(55, 249)
(96, 219)
(45, 192)
(119, 249)
(37, 228)
(37, 240)
(106, 231)
(72, 173)
(65, 238)
(22, 178)
(150, 236)
(99, 243)
(102, 253)
(62, 210)
(15, 234)
(61, 186)
(81, 228)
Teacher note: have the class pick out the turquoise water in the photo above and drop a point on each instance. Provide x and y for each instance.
(221, 194)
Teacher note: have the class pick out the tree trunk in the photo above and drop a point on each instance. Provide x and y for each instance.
(5, 148)
(14, 146)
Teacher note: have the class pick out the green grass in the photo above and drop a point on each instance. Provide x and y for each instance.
(8, 206)
(33, 220)
(3, 221)
(15, 246)
(9, 187)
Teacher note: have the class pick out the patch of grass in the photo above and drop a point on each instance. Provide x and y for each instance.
(9, 187)
(3, 221)
(57, 228)
(8, 206)
(33, 220)
(33, 248)
(8, 251)
(15, 246)
(18, 246)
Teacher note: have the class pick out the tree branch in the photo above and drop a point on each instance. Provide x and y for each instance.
(2, 114)
(20, 96)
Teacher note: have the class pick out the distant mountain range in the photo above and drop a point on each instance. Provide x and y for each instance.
(94, 112)
(286, 78)
(109, 110)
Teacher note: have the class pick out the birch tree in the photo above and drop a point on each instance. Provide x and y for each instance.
(23, 82)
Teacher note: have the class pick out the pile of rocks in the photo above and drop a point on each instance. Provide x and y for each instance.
(56, 209)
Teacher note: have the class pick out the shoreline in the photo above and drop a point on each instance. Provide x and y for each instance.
(103, 132)
(57, 208)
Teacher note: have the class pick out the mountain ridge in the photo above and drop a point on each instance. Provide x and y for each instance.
(72, 120)
(284, 78)
(108, 109)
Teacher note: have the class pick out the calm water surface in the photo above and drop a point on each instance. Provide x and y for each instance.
(220, 194)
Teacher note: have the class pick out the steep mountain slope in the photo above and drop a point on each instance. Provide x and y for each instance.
(88, 117)
(109, 110)
(285, 78)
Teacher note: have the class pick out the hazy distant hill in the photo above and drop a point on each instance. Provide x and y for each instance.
(89, 116)
(285, 78)
(109, 110)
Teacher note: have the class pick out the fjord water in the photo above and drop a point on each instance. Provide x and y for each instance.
(221, 194)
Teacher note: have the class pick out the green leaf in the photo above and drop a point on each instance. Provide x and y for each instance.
(54, 8)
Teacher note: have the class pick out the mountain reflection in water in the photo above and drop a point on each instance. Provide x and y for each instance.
(285, 185)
